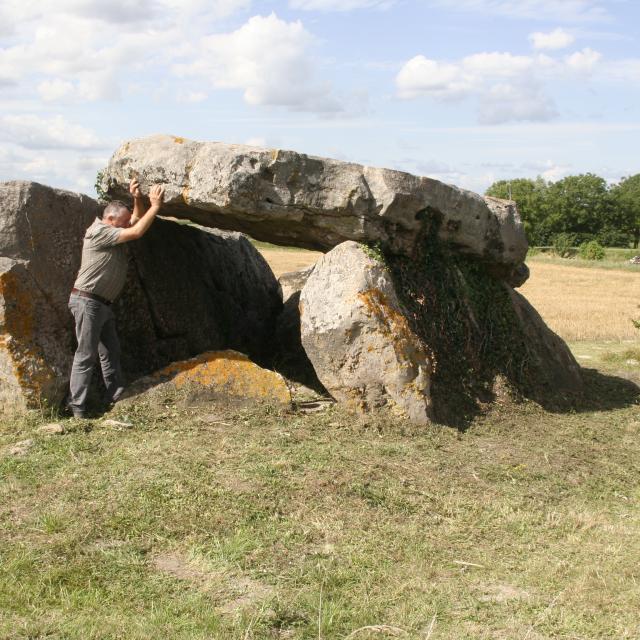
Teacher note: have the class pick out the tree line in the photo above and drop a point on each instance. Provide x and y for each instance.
(583, 207)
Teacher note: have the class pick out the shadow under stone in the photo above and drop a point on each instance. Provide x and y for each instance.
(290, 358)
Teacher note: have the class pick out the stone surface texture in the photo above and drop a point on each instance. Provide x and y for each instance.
(188, 290)
(355, 333)
(293, 281)
(217, 374)
(559, 370)
(192, 290)
(293, 199)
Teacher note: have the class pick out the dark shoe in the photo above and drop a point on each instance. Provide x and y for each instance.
(119, 392)
(109, 401)
(75, 412)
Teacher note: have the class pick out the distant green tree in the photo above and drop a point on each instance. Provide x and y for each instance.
(529, 195)
(581, 205)
(626, 195)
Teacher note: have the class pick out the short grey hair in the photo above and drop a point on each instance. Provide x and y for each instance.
(114, 209)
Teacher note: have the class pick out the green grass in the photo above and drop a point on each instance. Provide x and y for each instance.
(216, 522)
(615, 258)
(615, 357)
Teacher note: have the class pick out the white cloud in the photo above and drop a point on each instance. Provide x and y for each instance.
(56, 89)
(508, 87)
(548, 169)
(515, 102)
(339, 5)
(192, 97)
(583, 61)
(79, 49)
(256, 142)
(130, 15)
(556, 39)
(34, 132)
(89, 87)
(213, 9)
(422, 76)
(497, 64)
(557, 10)
(269, 60)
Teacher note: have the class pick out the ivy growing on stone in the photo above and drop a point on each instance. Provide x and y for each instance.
(467, 319)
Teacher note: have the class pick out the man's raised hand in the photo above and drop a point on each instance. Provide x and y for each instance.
(134, 188)
(156, 195)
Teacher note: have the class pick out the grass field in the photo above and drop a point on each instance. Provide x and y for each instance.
(212, 522)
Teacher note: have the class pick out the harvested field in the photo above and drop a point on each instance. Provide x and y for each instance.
(585, 304)
(284, 260)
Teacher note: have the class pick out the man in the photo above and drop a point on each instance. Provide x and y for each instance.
(100, 280)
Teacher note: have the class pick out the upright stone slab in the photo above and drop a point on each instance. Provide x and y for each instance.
(293, 199)
(192, 290)
(41, 231)
(433, 338)
(188, 291)
(356, 334)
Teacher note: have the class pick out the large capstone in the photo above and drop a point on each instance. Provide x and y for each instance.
(294, 199)
(435, 337)
(189, 290)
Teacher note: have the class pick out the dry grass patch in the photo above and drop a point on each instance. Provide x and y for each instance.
(283, 260)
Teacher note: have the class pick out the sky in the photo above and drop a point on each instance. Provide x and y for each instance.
(464, 91)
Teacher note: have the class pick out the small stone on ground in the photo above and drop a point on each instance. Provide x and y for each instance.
(51, 429)
(117, 423)
(20, 448)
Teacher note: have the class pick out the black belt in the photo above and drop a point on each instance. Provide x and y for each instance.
(93, 296)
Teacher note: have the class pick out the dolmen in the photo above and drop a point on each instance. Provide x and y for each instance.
(411, 310)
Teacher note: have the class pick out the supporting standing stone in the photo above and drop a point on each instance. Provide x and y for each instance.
(357, 337)
(435, 338)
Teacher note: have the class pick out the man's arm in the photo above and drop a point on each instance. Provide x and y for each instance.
(138, 201)
(136, 231)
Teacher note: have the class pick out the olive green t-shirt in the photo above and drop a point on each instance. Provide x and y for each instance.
(103, 270)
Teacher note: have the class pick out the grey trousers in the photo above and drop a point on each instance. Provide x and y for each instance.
(97, 338)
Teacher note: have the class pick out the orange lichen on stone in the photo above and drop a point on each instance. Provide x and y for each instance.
(393, 324)
(31, 372)
(227, 372)
(178, 140)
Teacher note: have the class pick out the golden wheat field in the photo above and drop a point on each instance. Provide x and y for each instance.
(585, 304)
(577, 303)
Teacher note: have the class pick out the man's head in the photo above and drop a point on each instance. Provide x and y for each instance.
(117, 214)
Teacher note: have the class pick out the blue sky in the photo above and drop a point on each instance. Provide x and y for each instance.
(465, 91)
